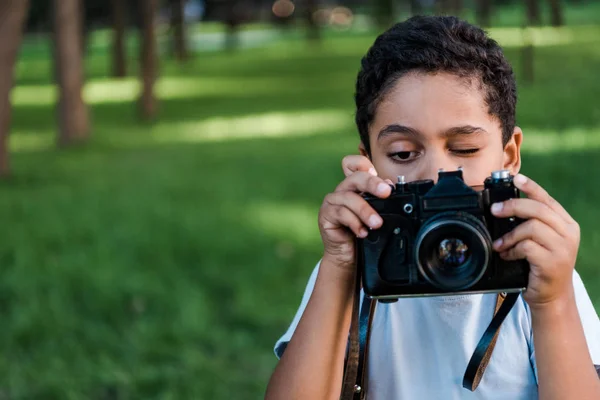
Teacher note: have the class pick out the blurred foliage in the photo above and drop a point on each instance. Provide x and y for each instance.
(162, 261)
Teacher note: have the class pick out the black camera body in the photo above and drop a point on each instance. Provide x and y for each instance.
(436, 239)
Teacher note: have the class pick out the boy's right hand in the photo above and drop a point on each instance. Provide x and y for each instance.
(345, 215)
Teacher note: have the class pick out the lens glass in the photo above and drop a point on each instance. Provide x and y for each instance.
(452, 252)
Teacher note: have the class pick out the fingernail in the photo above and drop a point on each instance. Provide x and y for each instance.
(497, 207)
(498, 243)
(363, 233)
(520, 180)
(382, 188)
(373, 172)
(374, 221)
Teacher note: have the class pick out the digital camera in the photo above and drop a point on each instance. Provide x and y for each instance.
(436, 239)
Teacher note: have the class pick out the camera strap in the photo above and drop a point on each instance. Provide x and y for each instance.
(354, 382)
(483, 352)
(358, 343)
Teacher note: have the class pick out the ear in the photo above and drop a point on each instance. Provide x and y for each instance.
(363, 151)
(512, 152)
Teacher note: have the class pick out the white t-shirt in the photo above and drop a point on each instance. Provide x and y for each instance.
(420, 347)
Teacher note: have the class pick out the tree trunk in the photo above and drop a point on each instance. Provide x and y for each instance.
(556, 13)
(119, 58)
(385, 13)
(457, 7)
(148, 59)
(232, 21)
(12, 20)
(72, 111)
(416, 8)
(314, 33)
(484, 12)
(533, 12)
(450, 7)
(178, 26)
(527, 57)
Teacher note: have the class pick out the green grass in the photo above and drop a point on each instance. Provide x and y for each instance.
(162, 261)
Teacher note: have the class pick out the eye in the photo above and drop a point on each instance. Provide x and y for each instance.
(465, 151)
(404, 156)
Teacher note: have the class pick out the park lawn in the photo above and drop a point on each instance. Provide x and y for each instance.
(163, 260)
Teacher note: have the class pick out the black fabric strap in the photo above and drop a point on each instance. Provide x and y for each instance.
(352, 358)
(367, 311)
(477, 365)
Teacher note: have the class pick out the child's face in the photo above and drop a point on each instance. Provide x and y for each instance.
(427, 122)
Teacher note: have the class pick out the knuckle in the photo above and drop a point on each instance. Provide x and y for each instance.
(365, 210)
(546, 208)
(509, 204)
(374, 181)
(534, 227)
(328, 199)
(347, 161)
(509, 236)
(526, 246)
(511, 253)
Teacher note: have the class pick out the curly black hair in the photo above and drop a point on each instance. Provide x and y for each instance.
(431, 44)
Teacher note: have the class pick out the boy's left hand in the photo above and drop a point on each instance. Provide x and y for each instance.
(549, 240)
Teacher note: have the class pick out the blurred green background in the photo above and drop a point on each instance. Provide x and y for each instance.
(162, 259)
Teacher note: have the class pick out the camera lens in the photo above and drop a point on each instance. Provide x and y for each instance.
(453, 250)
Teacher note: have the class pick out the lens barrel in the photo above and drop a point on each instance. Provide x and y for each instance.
(453, 250)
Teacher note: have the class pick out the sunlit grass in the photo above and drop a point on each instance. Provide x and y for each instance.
(169, 87)
(302, 123)
(545, 36)
(568, 140)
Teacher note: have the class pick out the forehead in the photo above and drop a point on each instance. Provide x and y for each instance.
(433, 102)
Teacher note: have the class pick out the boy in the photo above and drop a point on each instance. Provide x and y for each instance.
(436, 92)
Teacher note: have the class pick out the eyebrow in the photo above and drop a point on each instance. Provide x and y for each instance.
(395, 129)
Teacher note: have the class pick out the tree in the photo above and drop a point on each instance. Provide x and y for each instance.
(119, 58)
(148, 59)
(178, 27)
(483, 10)
(12, 21)
(311, 6)
(527, 56)
(533, 12)
(385, 13)
(453, 7)
(556, 13)
(68, 59)
(233, 20)
(416, 7)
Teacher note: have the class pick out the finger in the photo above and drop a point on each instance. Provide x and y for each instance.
(527, 249)
(534, 191)
(364, 182)
(530, 209)
(529, 230)
(344, 217)
(357, 205)
(354, 163)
